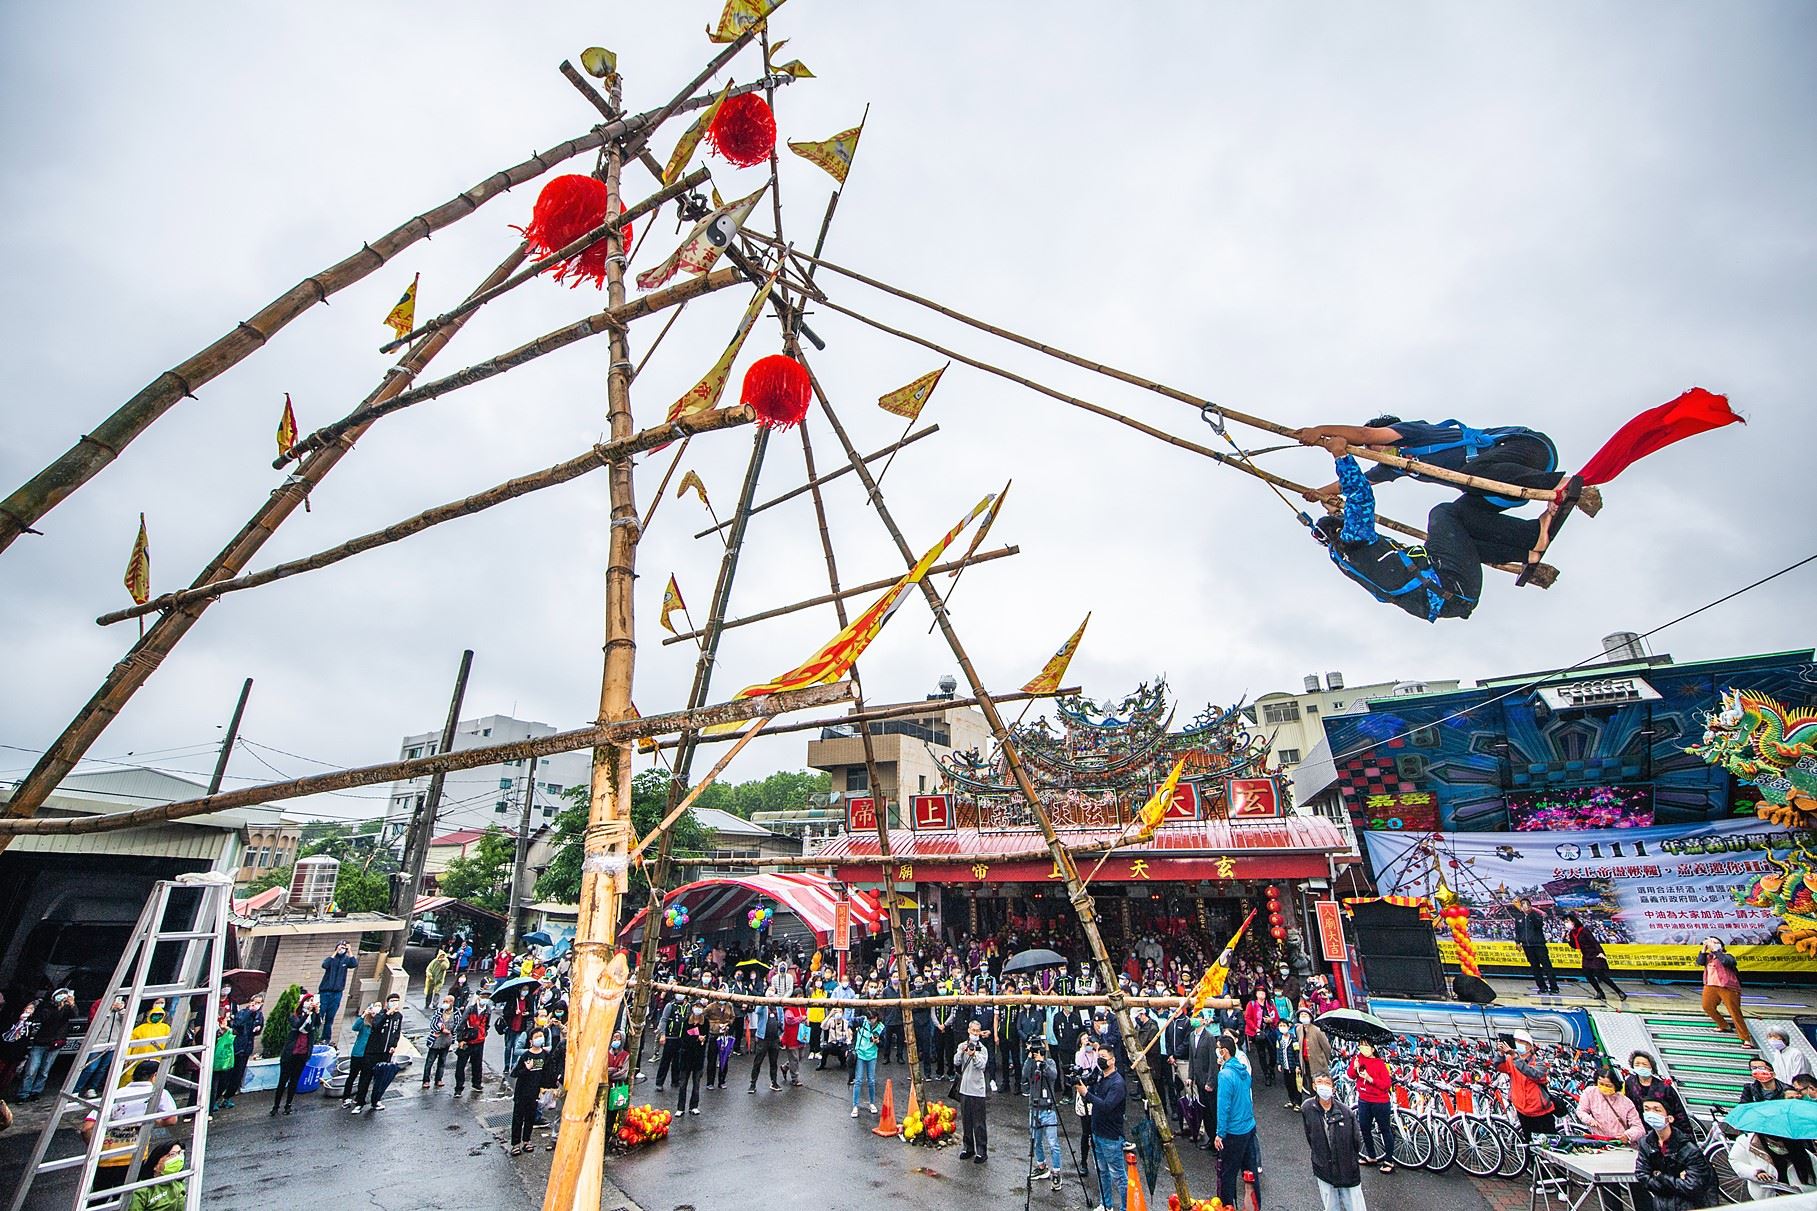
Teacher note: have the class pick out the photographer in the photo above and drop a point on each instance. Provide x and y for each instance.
(1040, 1075)
(1106, 1098)
(971, 1060)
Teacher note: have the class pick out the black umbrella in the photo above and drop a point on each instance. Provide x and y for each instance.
(538, 938)
(1356, 1025)
(1032, 960)
(506, 989)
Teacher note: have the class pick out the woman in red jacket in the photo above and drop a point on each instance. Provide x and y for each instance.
(1373, 1086)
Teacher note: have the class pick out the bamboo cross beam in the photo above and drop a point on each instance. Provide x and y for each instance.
(572, 248)
(612, 319)
(873, 714)
(1238, 464)
(83, 461)
(601, 455)
(1077, 1001)
(869, 587)
(161, 638)
(694, 792)
(1414, 466)
(844, 469)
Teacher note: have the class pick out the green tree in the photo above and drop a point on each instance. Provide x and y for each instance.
(560, 880)
(483, 878)
(784, 790)
(363, 884)
(277, 1022)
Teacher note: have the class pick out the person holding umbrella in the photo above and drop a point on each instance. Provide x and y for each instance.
(1773, 1150)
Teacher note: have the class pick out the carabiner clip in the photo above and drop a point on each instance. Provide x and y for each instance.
(1209, 410)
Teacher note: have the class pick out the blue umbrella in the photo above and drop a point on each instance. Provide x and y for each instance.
(1789, 1119)
(538, 938)
(559, 949)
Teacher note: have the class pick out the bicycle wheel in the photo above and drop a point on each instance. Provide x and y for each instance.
(1479, 1151)
(1513, 1146)
(1444, 1145)
(1412, 1142)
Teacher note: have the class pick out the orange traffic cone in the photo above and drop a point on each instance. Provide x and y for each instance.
(1136, 1200)
(914, 1106)
(887, 1124)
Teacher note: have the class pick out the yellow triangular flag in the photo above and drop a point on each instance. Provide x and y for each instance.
(794, 67)
(671, 601)
(738, 16)
(402, 319)
(684, 150)
(1155, 810)
(692, 480)
(287, 429)
(705, 394)
(834, 154)
(990, 519)
(908, 401)
(1054, 671)
(138, 567)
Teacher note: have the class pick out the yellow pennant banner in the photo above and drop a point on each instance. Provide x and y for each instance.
(138, 567)
(705, 241)
(834, 154)
(1155, 810)
(737, 17)
(402, 319)
(705, 394)
(691, 481)
(1053, 673)
(671, 601)
(287, 429)
(908, 401)
(684, 150)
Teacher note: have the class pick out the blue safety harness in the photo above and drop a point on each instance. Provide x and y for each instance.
(1473, 442)
(1392, 574)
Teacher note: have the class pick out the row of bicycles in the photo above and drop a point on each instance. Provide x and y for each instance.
(1452, 1107)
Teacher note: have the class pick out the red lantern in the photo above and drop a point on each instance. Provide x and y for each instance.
(1274, 918)
(1277, 933)
(744, 130)
(1274, 893)
(568, 208)
(778, 389)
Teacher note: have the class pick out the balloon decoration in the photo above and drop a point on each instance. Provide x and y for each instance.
(1277, 927)
(675, 916)
(759, 917)
(1456, 916)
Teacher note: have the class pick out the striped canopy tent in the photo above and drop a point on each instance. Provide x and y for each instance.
(722, 901)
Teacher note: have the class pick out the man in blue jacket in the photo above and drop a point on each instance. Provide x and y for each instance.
(1106, 1097)
(1236, 1135)
(334, 986)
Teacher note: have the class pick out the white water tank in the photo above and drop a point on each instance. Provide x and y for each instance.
(1334, 681)
(312, 882)
(1624, 645)
(1311, 683)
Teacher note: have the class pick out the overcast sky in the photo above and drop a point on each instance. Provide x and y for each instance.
(1548, 214)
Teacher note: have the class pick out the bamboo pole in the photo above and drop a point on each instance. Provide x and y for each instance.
(1414, 466)
(694, 792)
(159, 639)
(622, 732)
(1058, 1000)
(952, 565)
(612, 319)
(83, 461)
(1080, 898)
(602, 455)
(576, 1173)
(1247, 468)
(573, 248)
(792, 493)
(876, 713)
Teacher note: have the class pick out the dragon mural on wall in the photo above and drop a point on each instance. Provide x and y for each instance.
(1792, 894)
(1770, 747)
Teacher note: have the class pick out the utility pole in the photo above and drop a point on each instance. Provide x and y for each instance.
(514, 922)
(405, 883)
(227, 742)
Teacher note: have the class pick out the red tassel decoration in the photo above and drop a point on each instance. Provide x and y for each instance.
(567, 209)
(778, 389)
(744, 130)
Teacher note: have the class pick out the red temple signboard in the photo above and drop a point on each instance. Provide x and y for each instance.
(933, 813)
(861, 815)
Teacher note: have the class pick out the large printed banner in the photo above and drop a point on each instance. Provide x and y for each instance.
(1651, 894)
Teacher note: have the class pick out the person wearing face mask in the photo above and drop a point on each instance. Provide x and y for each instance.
(1722, 990)
(1312, 1048)
(1526, 1071)
(1605, 1111)
(1671, 1167)
(381, 1044)
(1235, 1140)
(151, 1034)
(439, 1042)
(973, 1062)
(1374, 1089)
(333, 987)
(1105, 1099)
(1644, 1082)
(528, 1075)
(170, 1193)
(1789, 1063)
(299, 1043)
(1767, 1087)
(1202, 1077)
(1764, 1162)
(1336, 1144)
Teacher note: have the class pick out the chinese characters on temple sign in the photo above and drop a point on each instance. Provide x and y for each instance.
(980, 870)
(933, 812)
(861, 815)
(1055, 872)
(1227, 867)
(905, 873)
(1138, 869)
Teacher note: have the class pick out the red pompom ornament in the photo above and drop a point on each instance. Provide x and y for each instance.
(567, 209)
(744, 130)
(778, 389)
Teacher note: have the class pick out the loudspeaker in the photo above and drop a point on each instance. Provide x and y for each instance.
(1472, 990)
(1399, 952)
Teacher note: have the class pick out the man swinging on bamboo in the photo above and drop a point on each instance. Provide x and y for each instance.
(1444, 578)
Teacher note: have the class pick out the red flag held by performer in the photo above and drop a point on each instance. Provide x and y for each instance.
(1696, 411)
